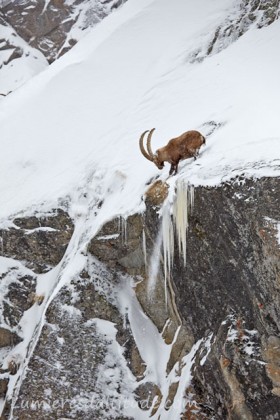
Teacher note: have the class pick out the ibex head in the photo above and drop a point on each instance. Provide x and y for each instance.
(185, 146)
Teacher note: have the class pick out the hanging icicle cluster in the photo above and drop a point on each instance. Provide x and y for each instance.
(175, 219)
(167, 244)
(182, 205)
(175, 213)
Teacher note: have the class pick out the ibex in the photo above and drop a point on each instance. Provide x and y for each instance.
(185, 146)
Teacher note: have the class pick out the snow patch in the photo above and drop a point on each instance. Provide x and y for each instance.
(276, 225)
(40, 229)
(108, 237)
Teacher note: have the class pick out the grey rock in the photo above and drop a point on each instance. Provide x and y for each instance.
(146, 393)
(3, 387)
(46, 26)
(246, 14)
(119, 244)
(232, 274)
(227, 296)
(231, 282)
(18, 296)
(8, 338)
(38, 242)
(71, 350)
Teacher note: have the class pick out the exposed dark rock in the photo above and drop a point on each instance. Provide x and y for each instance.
(119, 244)
(247, 13)
(3, 387)
(71, 350)
(148, 395)
(232, 273)
(227, 297)
(17, 300)
(13, 366)
(16, 56)
(47, 26)
(271, 354)
(38, 242)
(232, 252)
(8, 338)
(231, 283)
(171, 395)
(14, 52)
(131, 353)
(34, 33)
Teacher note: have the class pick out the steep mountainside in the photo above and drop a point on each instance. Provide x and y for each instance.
(212, 349)
(258, 13)
(52, 26)
(127, 293)
(32, 30)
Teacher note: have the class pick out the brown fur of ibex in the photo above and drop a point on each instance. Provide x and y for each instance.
(185, 146)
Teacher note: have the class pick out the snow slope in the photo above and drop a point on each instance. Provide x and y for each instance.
(70, 135)
(87, 111)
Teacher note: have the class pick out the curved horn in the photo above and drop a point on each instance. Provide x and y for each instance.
(143, 151)
(149, 143)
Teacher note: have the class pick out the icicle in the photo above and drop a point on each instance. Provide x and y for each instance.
(168, 244)
(144, 247)
(180, 214)
(123, 230)
(191, 190)
(154, 264)
(120, 226)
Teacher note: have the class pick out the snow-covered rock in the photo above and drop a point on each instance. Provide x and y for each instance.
(196, 337)
(18, 61)
(53, 27)
(35, 33)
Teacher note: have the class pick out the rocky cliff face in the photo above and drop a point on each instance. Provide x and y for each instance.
(221, 306)
(18, 60)
(247, 13)
(35, 33)
(53, 27)
(144, 324)
(232, 286)
(227, 295)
